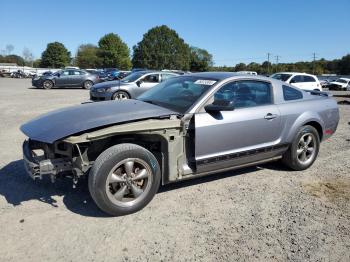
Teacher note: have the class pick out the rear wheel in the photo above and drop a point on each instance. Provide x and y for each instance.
(304, 149)
(88, 84)
(120, 95)
(48, 84)
(124, 179)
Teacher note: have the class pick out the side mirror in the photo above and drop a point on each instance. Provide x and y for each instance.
(220, 105)
(58, 74)
(292, 81)
(138, 83)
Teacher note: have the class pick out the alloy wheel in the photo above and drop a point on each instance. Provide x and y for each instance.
(121, 96)
(306, 148)
(129, 182)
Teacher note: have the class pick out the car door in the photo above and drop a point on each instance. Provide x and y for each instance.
(147, 82)
(246, 134)
(63, 78)
(75, 78)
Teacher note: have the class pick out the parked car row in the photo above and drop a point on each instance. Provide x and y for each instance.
(113, 84)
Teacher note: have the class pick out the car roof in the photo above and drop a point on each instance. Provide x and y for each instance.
(216, 75)
(345, 78)
(153, 72)
(295, 73)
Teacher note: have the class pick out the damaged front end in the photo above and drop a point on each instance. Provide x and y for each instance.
(42, 159)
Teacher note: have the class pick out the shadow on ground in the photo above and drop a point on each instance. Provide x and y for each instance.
(17, 188)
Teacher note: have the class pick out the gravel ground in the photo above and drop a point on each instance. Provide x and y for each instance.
(264, 213)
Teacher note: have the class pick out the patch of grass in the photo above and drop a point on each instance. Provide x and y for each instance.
(335, 191)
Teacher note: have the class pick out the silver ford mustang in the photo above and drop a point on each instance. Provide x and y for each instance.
(186, 127)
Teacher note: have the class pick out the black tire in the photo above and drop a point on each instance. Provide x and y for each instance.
(88, 84)
(293, 158)
(104, 192)
(120, 95)
(47, 84)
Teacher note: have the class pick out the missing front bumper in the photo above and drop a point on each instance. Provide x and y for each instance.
(37, 166)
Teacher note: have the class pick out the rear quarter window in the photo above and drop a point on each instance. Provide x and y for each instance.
(290, 93)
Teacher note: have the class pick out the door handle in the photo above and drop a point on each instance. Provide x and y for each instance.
(270, 116)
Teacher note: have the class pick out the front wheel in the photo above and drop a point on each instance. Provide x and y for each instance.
(120, 95)
(47, 84)
(304, 149)
(124, 179)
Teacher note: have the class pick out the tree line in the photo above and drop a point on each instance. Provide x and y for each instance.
(317, 67)
(160, 48)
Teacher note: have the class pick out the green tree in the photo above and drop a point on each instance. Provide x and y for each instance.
(56, 55)
(87, 56)
(201, 60)
(113, 52)
(266, 67)
(13, 59)
(37, 63)
(344, 65)
(240, 67)
(161, 48)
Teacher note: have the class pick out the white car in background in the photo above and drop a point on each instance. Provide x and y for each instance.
(341, 84)
(301, 80)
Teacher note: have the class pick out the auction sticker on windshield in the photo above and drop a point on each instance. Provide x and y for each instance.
(205, 82)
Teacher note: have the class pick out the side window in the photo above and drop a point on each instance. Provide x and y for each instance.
(290, 93)
(297, 79)
(309, 79)
(166, 76)
(65, 73)
(246, 93)
(76, 73)
(151, 78)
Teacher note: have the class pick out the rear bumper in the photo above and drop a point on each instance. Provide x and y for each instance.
(37, 166)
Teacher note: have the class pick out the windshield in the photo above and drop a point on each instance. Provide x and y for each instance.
(58, 73)
(282, 77)
(341, 81)
(132, 77)
(178, 93)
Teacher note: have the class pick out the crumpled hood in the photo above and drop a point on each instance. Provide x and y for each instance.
(68, 121)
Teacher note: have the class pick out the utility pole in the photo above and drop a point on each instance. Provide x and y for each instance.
(277, 60)
(313, 63)
(268, 63)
